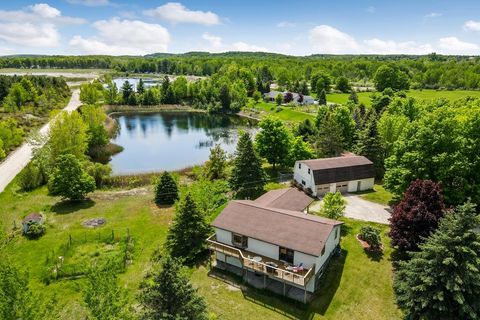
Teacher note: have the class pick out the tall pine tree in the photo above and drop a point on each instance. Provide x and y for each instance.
(166, 190)
(169, 295)
(369, 144)
(247, 178)
(442, 280)
(186, 236)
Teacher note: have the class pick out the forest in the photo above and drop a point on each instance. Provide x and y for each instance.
(431, 71)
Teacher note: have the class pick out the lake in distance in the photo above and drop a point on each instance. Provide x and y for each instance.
(172, 140)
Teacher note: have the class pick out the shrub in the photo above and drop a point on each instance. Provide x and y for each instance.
(34, 229)
(371, 235)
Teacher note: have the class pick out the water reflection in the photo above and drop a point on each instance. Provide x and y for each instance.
(173, 140)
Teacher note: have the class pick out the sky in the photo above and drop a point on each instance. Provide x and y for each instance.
(295, 27)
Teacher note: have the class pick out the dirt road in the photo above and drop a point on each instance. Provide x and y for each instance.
(18, 159)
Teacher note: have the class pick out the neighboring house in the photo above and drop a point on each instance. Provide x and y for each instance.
(32, 217)
(288, 249)
(348, 173)
(298, 98)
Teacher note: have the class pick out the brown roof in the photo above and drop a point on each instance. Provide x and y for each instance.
(33, 217)
(338, 169)
(288, 199)
(294, 230)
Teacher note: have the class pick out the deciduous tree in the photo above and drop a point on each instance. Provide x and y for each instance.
(417, 215)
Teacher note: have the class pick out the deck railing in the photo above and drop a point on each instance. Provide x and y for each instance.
(300, 278)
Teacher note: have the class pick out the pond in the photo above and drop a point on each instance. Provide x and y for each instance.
(172, 140)
(147, 83)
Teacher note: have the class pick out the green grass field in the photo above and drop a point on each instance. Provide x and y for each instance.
(357, 286)
(263, 109)
(423, 95)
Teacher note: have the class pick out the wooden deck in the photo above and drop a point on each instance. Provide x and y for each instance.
(245, 257)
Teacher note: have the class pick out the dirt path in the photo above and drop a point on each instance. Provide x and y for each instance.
(18, 159)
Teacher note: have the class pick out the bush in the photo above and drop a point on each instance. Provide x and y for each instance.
(31, 177)
(34, 230)
(371, 235)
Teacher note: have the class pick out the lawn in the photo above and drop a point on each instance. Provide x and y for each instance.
(356, 287)
(423, 95)
(377, 195)
(263, 109)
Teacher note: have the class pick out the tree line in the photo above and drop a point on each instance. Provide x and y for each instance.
(430, 71)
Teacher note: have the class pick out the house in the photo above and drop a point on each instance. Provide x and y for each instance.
(297, 98)
(31, 218)
(349, 173)
(285, 250)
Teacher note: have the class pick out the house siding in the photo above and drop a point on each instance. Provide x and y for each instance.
(301, 174)
(272, 251)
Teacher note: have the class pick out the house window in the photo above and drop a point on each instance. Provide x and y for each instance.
(286, 255)
(239, 241)
(308, 170)
(299, 166)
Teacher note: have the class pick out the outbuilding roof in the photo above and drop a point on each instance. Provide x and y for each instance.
(37, 217)
(288, 199)
(290, 229)
(337, 169)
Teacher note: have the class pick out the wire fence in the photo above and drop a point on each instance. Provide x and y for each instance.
(80, 251)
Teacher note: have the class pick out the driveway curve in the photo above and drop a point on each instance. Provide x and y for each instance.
(19, 158)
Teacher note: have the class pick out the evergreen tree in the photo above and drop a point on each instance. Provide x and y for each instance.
(247, 178)
(127, 90)
(370, 146)
(273, 141)
(224, 97)
(353, 97)
(69, 180)
(329, 142)
(170, 296)
(140, 87)
(166, 190)
(216, 165)
(186, 236)
(417, 215)
(442, 280)
(322, 98)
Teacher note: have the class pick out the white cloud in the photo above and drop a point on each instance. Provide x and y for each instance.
(123, 37)
(378, 46)
(176, 12)
(242, 46)
(286, 24)
(214, 41)
(471, 25)
(91, 3)
(453, 45)
(215, 44)
(34, 26)
(327, 39)
(30, 35)
(432, 15)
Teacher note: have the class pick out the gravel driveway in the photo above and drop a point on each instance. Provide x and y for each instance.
(358, 208)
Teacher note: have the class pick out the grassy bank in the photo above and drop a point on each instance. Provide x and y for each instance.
(357, 286)
(422, 95)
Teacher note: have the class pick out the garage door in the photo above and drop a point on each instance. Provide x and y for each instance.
(342, 186)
